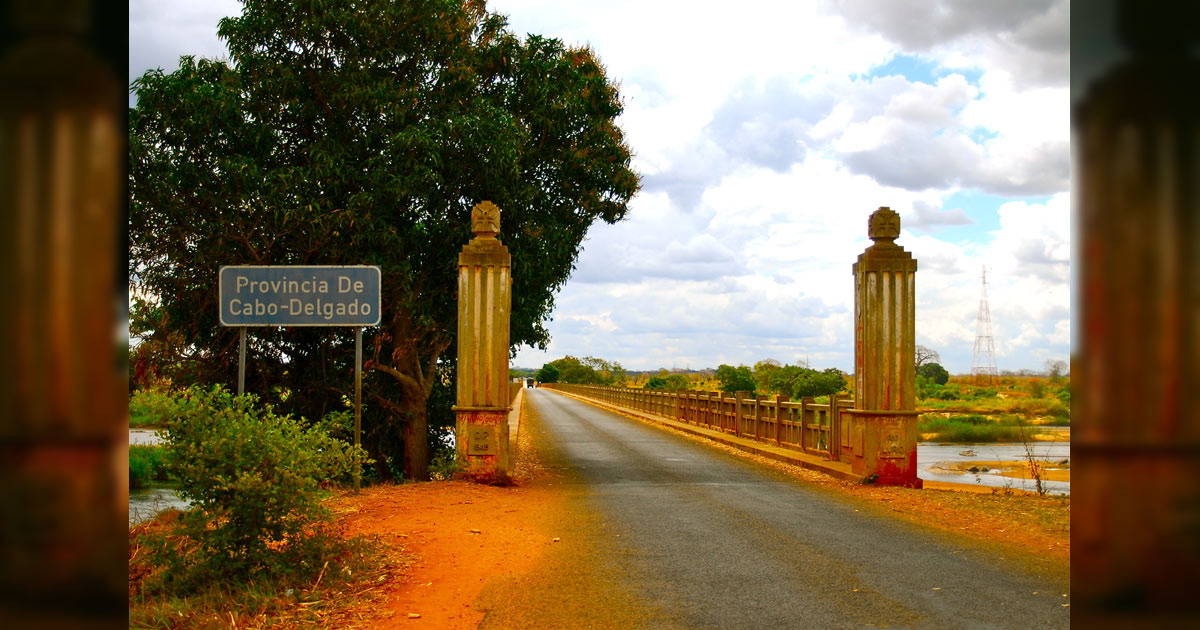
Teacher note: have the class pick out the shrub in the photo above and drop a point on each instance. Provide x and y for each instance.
(253, 477)
(146, 465)
(927, 389)
(976, 393)
(153, 407)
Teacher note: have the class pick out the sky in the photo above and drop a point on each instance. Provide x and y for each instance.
(765, 137)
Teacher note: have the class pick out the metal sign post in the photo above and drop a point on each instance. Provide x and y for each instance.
(242, 362)
(357, 397)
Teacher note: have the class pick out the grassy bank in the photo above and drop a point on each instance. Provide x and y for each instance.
(147, 466)
(975, 428)
(143, 421)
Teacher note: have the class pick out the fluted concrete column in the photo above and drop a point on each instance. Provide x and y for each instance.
(484, 299)
(884, 420)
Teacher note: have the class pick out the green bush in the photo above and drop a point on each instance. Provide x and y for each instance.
(147, 464)
(254, 480)
(153, 407)
(972, 428)
(928, 389)
(977, 393)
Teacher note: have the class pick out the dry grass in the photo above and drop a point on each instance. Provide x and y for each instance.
(345, 594)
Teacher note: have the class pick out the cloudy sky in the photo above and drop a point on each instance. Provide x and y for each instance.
(766, 132)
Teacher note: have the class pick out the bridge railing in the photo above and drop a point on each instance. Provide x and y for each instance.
(803, 425)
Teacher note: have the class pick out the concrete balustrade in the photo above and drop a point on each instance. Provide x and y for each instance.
(804, 425)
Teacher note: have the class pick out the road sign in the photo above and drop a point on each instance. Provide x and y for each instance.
(299, 296)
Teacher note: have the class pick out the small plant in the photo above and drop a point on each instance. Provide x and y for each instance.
(254, 478)
(1037, 467)
(443, 467)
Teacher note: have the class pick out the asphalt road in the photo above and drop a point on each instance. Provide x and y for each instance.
(719, 542)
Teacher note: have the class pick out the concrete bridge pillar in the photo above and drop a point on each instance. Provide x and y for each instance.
(884, 419)
(484, 299)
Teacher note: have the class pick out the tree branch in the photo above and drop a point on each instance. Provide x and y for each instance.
(405, 380)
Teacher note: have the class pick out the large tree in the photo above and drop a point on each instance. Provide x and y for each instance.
(363, 133)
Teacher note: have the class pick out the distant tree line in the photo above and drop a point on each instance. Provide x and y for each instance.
(585, 371)
(766, 377)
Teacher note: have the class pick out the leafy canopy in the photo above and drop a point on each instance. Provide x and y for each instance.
(735, 379)
(548, 374)
(590, 371)
(363, 133)
(798, 381)
(934, 372)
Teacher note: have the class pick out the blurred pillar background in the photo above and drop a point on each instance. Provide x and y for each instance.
(1136, 154)
(63, 485)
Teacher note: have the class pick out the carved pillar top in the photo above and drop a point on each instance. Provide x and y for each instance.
(485, 248)
(883, 225)
(485, 220)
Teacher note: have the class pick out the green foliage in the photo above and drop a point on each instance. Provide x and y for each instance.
(762, 372)
(548, 374)
(735, 379)
(253, 477)
(444, 466)
(147, 465)
(590, 371)
(810, 382)
(1037, 387)
(363, 133)
(571, 370)
(971, 428)
(1041, 407)
(980, 393)
(668, 381)
(929, 390)
(152, 407)
(934, 372)
(797, 381)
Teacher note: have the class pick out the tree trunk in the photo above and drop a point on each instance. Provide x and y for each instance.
(416, 440)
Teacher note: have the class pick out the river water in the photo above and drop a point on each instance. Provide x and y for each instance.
(930, 454)
(144, 503)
